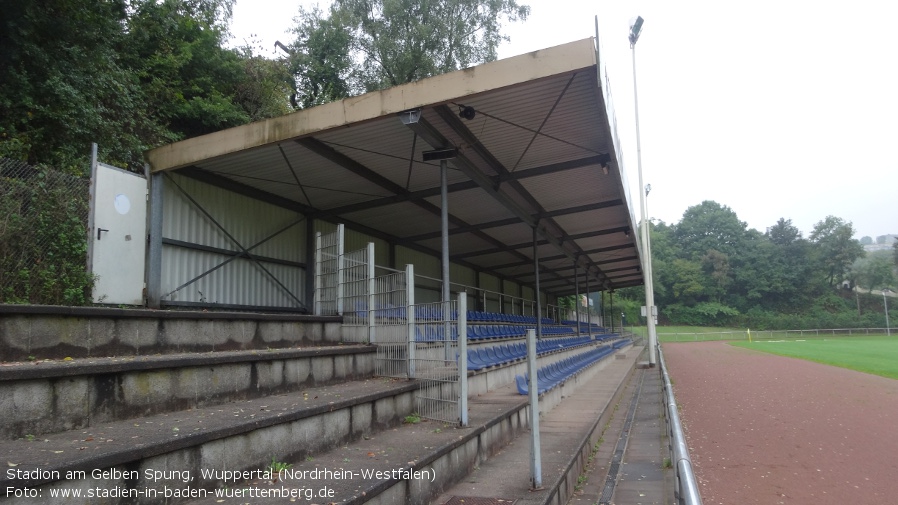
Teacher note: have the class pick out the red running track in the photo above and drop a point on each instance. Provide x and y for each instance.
(768, 429)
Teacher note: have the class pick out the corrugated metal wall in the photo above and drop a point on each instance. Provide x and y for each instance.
(248, 221)
(426, 290)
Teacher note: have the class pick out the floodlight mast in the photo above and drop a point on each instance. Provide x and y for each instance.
(635, 30)
(885, 305)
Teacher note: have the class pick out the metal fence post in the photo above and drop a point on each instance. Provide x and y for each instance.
(340, 269)
(318, 257)
(410, 316)
(371, 289)
(463, 358)
(536, 471)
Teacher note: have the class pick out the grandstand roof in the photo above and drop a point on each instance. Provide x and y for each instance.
(532, 155)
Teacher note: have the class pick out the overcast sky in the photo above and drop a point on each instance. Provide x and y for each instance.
(775, 108)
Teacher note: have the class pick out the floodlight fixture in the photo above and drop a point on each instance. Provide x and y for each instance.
(648, 189)
(466, 112)
(604, 161)
(635, 29)
(409, 117)
(439, 154)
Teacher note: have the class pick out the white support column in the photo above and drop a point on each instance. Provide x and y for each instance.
(463, 358)
(318, 286)
(372, 314)
(410, 316)
(536, 471)
(340, 269)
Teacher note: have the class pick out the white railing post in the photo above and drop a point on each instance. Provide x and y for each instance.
(371, 293)
(318, 257)
(463, 358)
(340, 269)
(536, 477)
(410, 316)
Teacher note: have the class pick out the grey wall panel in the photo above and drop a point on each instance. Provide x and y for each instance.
(248, 221)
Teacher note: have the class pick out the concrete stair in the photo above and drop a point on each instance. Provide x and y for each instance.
(172, 427)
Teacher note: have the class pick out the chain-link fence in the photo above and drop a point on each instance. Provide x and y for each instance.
(43, 235)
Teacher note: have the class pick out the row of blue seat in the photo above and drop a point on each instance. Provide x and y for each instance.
(434, 332)
(557, 373)
(591, 326)
(622, 343)
(485, 357)
(498, 317)
(434, 312)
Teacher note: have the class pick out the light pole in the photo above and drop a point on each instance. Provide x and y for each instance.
(885, 304)
(635, 30)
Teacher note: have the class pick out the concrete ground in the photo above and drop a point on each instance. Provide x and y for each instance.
(601, 405)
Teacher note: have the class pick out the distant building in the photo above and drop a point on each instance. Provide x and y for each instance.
(883, 243)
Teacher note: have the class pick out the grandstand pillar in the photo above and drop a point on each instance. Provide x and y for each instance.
(410, 317)
(536, 478)
(311, 267)
(463, 358)
(577, 294)
(539, 320)
(588, 313)
(154, 255)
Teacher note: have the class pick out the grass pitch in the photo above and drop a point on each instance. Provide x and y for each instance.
(874, 355)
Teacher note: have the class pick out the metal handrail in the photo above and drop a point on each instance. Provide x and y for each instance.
(687, 486)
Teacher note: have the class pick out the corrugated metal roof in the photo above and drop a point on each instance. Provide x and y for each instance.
(532, 156)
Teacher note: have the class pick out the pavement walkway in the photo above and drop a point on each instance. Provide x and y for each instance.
(597, 408)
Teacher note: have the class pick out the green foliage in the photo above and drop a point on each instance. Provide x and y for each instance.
(702, 314)
(835, 248)
(874, 271)
(128, 75)
(710, 270)
(365, 45)
(43, 246)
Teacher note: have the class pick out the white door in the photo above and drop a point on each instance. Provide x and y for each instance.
(118, 236)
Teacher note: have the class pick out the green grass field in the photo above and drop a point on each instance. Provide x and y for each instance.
(875, 355)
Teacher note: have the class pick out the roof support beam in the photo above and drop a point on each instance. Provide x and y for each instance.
(619, 229)
(514, 220)
(542, 225)
(436, 140)
(330, 154)
(561, 257)
(465, 185)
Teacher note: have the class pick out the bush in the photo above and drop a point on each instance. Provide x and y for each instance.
(43, 237)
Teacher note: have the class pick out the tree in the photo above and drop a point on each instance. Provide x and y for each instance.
(63, 86)
(783, 233)
(835, 248)
(875, 270)
(126, 74)
(393, 42)
(716, 265)
(707, 226)
(175, 49)
(321, 58)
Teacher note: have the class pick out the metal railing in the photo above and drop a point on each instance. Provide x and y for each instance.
(328, 258)
(686, 488)
(438, 361)
(748, 334)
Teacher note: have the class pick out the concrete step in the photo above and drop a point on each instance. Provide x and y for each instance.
(44, 397)
(170, 452)
(36, 332)
(417, 463)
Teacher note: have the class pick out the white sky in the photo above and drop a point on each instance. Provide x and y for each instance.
(775, 108)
